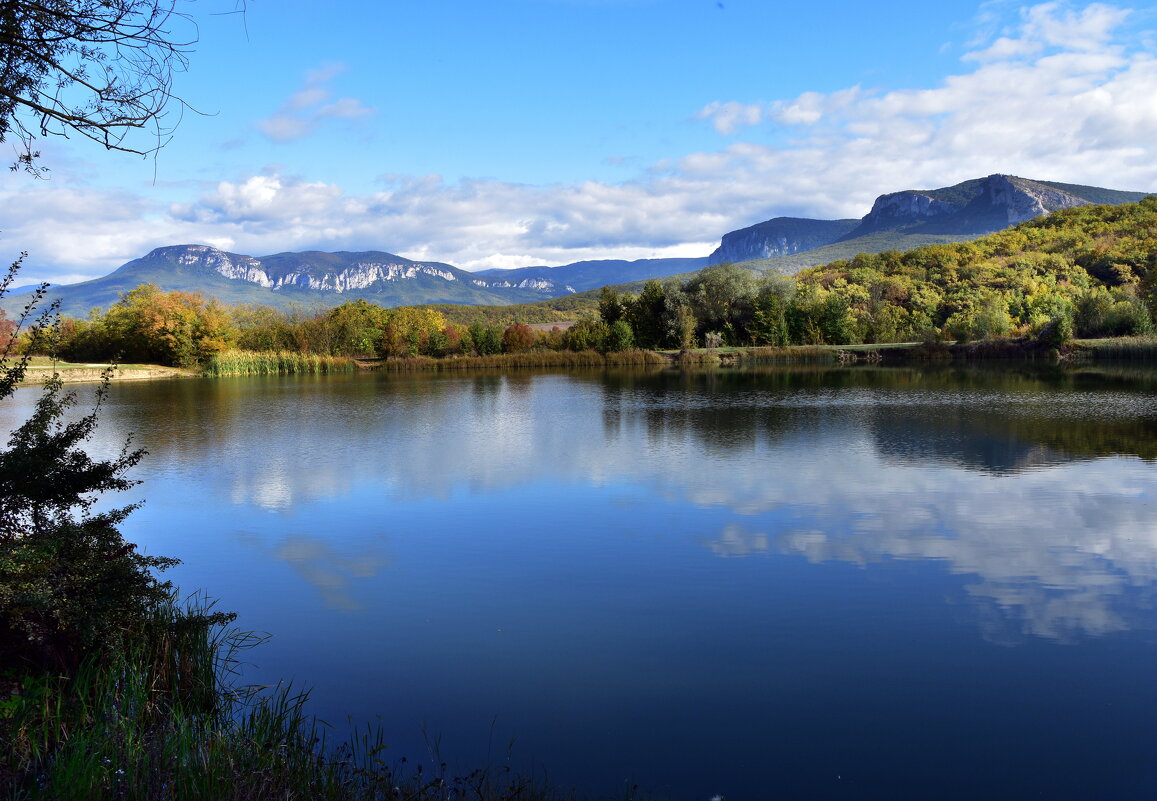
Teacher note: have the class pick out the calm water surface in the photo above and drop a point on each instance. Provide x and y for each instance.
(824, 584)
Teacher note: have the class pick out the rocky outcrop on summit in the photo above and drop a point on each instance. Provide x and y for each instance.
(327, 272)
(968, 209)
(203, 257)
(1017, 199)
(901, 209)
(977, 207)
(781, 236)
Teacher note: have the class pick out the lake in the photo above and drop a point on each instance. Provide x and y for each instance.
(858, 583)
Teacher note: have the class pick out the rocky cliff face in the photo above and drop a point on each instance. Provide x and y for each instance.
(781, 236)
(899, 209)
(327, 273)
(971, 208)
(205, 258)
(1022, 199)
(355, 272)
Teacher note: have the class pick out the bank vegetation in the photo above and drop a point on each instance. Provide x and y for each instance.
(1082, 273)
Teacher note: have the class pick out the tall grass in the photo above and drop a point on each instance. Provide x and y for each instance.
(164, 720)
(248, 362)
(527, 360)
(748, 357)
(1140, 349)
(796, 354)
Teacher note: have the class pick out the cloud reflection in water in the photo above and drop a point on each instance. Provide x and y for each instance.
(1011, 481)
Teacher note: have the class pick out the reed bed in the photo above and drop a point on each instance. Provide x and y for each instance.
(1138, 349)
(527, 360)
(798, 354)
(697, 358)
(248, 362)
(164, 721)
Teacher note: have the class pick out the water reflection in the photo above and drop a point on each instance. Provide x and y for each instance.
(802, 563)
(1034, 483)
(329, 570)
(1061, 552)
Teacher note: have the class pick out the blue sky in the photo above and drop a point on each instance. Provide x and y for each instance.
(518, 132)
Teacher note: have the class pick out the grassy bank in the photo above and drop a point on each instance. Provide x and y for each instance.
(247, 362)
(995, 349)
(162, 720)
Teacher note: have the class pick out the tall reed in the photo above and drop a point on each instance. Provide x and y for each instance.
(530, 359)
(1140, 349)
(248, 362)
(795, 354)
(165, 720)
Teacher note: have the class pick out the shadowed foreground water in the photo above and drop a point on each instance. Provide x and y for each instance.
(844, 584)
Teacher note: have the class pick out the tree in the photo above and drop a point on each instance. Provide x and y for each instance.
(517, 338)
(834, 320)
(99, 68)
(768, 324)
(586, 335)
(486, 339)
(7, 331)
(70, 585)
(410, 331)
(175, 328)
(620, 337)
(721, 297)
(647, 315)
(610, 306)
(356, 327)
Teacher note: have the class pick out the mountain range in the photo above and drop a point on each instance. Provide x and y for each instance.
(898, 220)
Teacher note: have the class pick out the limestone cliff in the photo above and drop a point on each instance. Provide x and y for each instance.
(781, 236)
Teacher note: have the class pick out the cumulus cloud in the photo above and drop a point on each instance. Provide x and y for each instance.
(1058, 93)
(1053, 96)
(309, 106)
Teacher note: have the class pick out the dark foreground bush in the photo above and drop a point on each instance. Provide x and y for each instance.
(161, 720)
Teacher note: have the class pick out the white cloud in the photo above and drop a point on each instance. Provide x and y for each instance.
(730, 116)
(308, 107)
(1060, 94)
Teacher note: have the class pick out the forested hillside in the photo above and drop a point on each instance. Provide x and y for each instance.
(1088, 272)
(1094, 266)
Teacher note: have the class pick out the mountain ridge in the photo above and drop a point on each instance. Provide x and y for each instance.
(897, 220)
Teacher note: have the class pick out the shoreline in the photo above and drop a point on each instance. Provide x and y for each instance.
(94, 373)
(1009, 350)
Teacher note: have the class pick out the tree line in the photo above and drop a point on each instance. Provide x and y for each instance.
(185, 329)
(1087, 272)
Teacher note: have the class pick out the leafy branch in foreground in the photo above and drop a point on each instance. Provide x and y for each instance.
(70, 585)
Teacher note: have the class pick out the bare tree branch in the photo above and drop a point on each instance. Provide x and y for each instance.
(98, 68)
